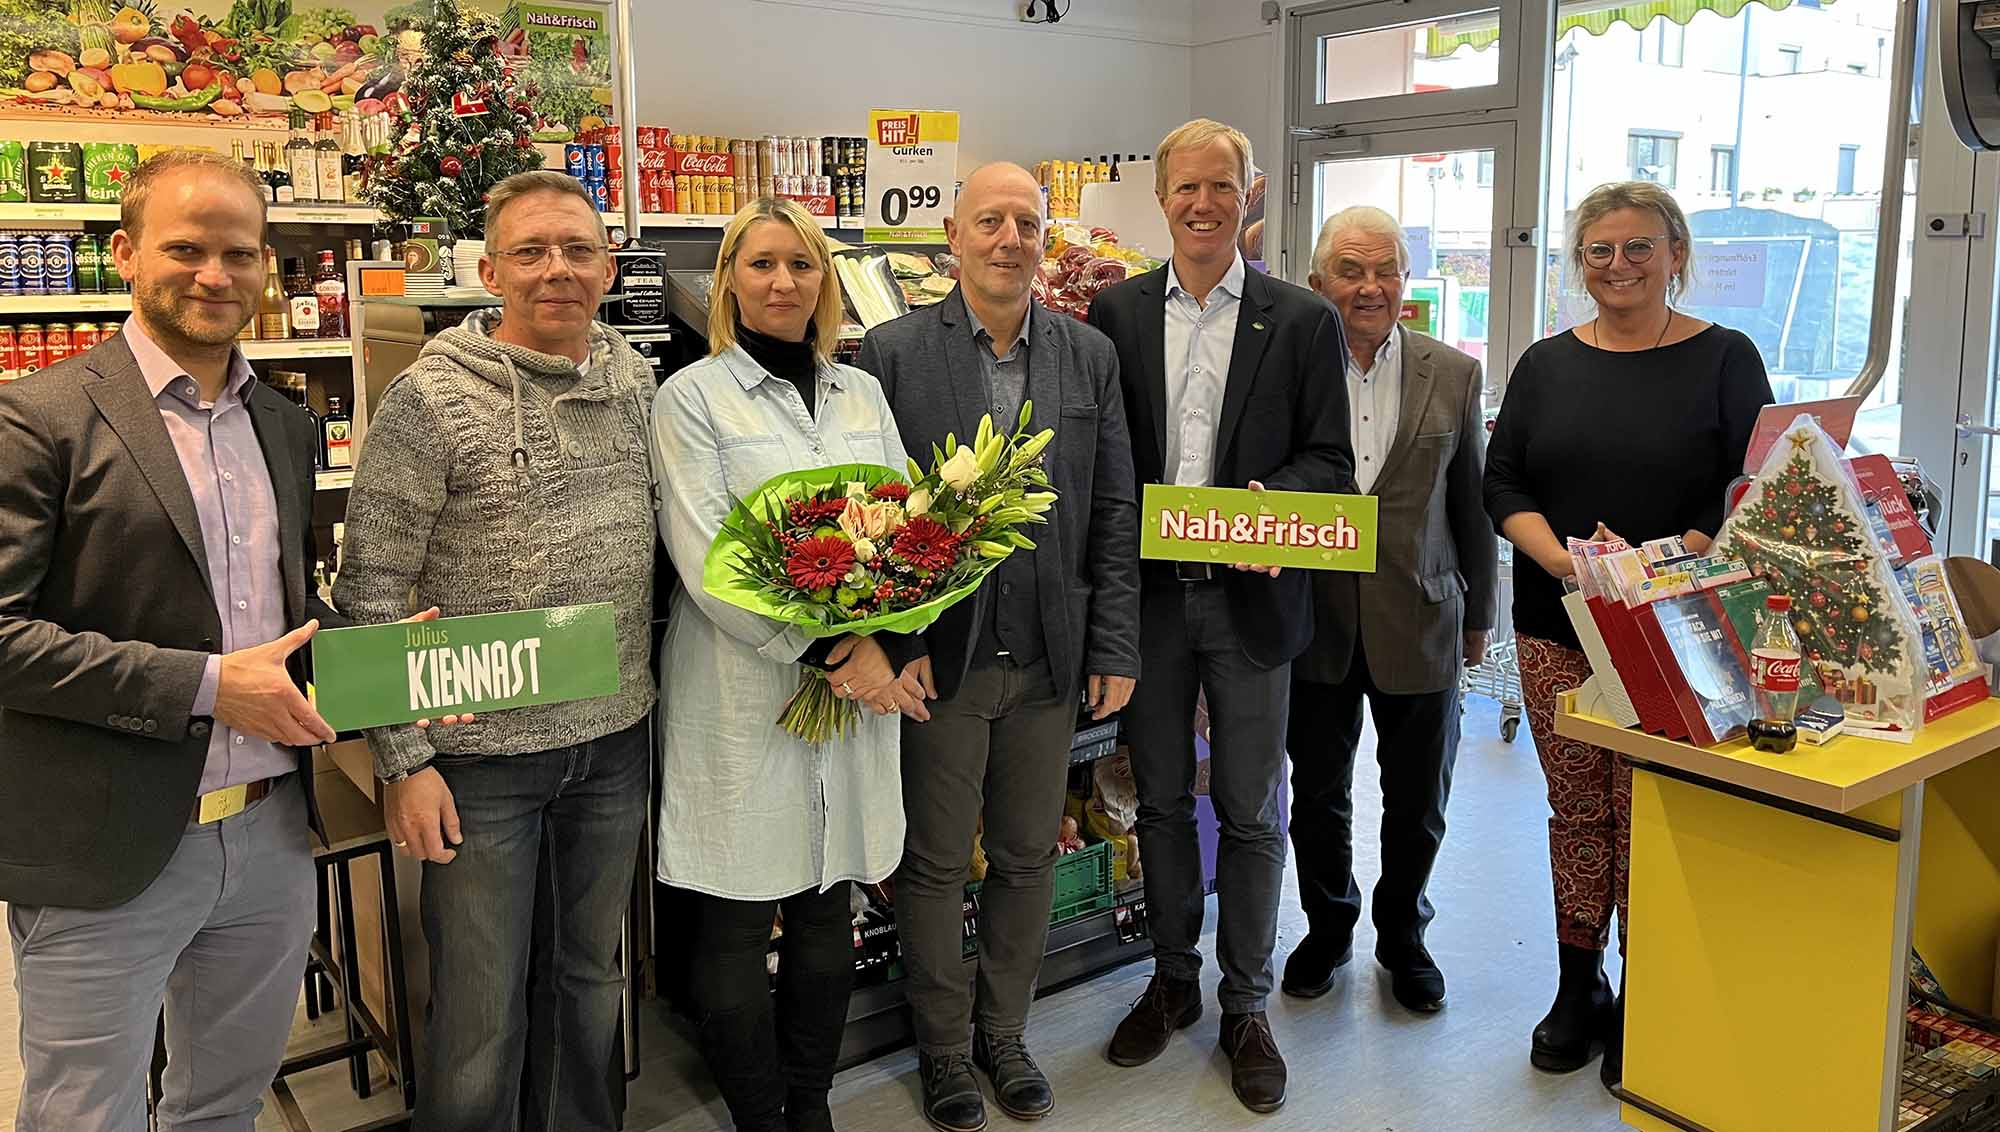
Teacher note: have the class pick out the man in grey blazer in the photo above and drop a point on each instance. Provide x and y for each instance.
(155, 767)
(1005, 667)
(1397, 637)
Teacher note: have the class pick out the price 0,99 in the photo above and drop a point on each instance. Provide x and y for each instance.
(896, 203)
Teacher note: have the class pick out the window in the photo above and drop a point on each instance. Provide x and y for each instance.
(1843, 177)
(1485, 168)
(1653, 157)
(1669, 41)
(1788, 60)
(1722, 169)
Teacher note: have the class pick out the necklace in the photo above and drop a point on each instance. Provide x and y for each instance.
(1597, 341)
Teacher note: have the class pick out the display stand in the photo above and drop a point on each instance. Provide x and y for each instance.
(1776, 899)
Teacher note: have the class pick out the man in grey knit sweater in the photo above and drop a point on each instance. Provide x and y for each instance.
(507, 470)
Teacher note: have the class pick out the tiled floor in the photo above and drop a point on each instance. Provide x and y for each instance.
(1359, 1063)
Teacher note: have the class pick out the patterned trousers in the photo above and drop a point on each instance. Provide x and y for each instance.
(1590, 799)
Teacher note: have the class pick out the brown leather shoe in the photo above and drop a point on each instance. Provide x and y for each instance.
(1256, 1071)
(1169, 1004)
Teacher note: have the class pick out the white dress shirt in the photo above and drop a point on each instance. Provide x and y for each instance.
(1374, 408)
(1199, 342)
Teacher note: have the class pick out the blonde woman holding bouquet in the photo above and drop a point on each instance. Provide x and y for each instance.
(755, 820)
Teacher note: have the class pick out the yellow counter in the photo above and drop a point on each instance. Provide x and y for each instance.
(1774, 901)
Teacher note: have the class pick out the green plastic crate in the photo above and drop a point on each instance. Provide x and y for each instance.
(1083, 886)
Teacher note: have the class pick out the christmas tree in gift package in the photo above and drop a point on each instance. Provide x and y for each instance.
(1803, 528)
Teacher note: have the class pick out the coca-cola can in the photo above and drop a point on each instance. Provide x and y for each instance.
(649, 137)
(614, 156)
(28, 340)
(56, 343)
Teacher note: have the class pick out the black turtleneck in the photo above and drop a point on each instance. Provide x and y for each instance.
(793, 361)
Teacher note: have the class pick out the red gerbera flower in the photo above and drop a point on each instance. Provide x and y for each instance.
(927, 544)
(899, 492)
(817, 563)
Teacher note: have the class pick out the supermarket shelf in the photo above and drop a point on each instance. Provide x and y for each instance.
(279, 213)
(298, 348)
(716, 223)
(52, 304)
(334, 481)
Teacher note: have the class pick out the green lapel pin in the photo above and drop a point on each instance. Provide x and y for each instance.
(1256, 326)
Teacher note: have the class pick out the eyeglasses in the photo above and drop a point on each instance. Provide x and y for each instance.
(1638, 250)
(533, 256)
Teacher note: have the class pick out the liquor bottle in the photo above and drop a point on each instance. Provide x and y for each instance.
(1114, 167)
(352, 160)
(273, 322)
(302, 162)
(331, 286)
(1774, 673)
(338, 431)
(327, 155)
(295, 388)
(279, 176)
(301, 298)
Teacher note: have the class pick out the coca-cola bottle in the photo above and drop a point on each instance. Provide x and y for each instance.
(1774, 664)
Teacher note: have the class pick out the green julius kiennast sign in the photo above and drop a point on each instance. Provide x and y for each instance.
(376, 675)
(1231, 525)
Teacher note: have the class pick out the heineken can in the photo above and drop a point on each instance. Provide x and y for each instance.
(58, 264)
(10, 263)
(34, 277)
(89, 265)
(55, 172)
(106, 168)
(13, 172)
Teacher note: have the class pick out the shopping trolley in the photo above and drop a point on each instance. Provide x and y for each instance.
(1499, 676)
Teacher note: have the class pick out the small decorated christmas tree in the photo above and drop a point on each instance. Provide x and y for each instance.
(1802, 527)
(466, 127)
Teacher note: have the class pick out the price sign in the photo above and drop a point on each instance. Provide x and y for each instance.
(912, 171)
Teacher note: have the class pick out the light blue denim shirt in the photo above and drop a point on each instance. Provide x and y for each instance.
(747, 811)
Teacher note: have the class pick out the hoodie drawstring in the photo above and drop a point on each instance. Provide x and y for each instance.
(520, 444)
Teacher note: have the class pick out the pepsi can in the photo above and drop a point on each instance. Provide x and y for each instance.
(593, 156)
(34, 279)
(574, 160)
(59, 264)
(600, 194)
(10, 263)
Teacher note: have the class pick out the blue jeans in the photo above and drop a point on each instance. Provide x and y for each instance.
(565, 823)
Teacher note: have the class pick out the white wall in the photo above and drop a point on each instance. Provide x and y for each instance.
(1112, 75)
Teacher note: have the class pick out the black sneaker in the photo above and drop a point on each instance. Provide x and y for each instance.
(952, 1100)
(1023, 1091)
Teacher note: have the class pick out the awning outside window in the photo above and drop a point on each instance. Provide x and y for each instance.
(1594, 16)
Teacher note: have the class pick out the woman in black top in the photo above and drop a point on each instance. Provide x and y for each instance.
(1631, 425)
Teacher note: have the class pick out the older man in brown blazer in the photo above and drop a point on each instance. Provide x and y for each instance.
(1398, 637)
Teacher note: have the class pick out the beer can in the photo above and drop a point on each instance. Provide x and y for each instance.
(574, 160)
(594, 156)
(10, 354)
(28, 337)
(85, 336)
(56, 343)
(34, 277)
(59, 263)
(89, 265)
(10, 263)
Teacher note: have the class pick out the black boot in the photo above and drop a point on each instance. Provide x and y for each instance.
(741, 1048)
(1581, 1012)
(812, 1014)
(1612, 1072)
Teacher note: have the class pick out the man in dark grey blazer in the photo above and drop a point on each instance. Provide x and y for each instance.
(155, 767)
(1398, 637)
(1006, 667)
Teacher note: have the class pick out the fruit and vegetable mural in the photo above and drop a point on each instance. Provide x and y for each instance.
(267, 58)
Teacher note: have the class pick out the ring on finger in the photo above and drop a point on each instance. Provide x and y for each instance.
(847, 687)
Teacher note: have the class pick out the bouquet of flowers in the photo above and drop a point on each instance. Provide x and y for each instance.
(856, 548)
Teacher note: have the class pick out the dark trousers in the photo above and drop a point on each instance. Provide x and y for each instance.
(574, 816)
(1416, 745)
(773, 1057)
(998, 748)
(1188, 643)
